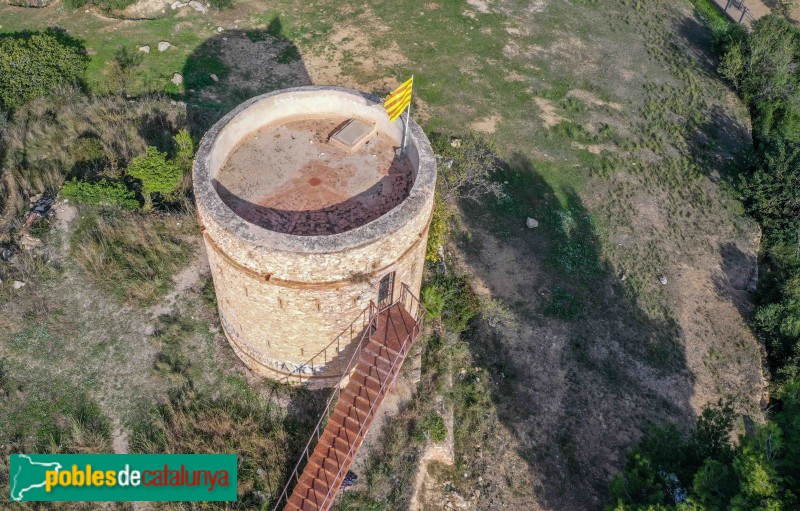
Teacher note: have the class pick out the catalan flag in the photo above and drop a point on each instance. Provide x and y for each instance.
(398, 100)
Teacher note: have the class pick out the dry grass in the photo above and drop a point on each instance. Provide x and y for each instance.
(241, 424)
(38, 145)
(132, 256)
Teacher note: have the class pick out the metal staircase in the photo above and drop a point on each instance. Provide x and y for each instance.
(372, 370)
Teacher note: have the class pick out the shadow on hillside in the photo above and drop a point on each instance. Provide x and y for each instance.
(723, 137)
(581, 370)
(236, 65)
(696, 42)
(738, 278)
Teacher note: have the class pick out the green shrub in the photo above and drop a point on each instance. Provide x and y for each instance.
(430, 427)
(773, 191)
(113, 5)
(184, 150)
(703, 470)
(573, 131)
(221, 5)
(466, 167)
(127, 58)
(459, 305)
(763, 66)
(87, 150)
(438, 230)
(433, 301)
(32, 64)
(711, 14)
(157, 174)
(100, 193)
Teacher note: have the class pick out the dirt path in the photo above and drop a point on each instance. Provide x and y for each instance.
(186, 279)
(443, 452)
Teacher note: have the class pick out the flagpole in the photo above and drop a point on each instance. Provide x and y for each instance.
(404, 148)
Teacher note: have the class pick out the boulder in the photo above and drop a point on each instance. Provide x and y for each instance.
(177, 79)
(214, 78)
(177, 5)
(531, 223)
(662, 279)
(197, 6)
(144, 49)
(18, 284)
(164, 46)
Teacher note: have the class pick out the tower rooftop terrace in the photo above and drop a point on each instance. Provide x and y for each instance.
(289, 176)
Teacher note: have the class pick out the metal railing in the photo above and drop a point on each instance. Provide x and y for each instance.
(322, 358)
(397, 361)
(294, 477)
(411, 303)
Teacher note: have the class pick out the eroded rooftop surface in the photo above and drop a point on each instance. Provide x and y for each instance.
(290, 178)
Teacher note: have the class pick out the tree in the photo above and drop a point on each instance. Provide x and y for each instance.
(759, 483)
(466, 167)
(714, 485)
(773, 190)
(712, 435)
(788, 419)
(157, 174)
(763, 67)
(34, 63)
(184, 150)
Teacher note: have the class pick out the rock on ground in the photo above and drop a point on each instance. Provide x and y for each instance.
(164, 46)
(197, 6)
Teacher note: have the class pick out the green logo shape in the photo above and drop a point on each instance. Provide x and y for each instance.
(122, 477)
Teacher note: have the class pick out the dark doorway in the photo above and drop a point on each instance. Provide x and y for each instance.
(386, 290)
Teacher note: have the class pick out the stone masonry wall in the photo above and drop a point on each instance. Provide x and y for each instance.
(281, 325)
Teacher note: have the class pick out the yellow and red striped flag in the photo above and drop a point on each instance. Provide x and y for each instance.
(398, 100)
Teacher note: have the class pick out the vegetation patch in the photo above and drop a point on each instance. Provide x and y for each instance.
(34, 63)
(191, 422)
(133, 260)
(100, 193)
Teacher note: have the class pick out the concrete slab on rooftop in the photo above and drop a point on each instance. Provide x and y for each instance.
(353, 134)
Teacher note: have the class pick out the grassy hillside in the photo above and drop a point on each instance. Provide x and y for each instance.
(625, 306)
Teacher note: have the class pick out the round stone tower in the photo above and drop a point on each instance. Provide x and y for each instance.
(309, 213)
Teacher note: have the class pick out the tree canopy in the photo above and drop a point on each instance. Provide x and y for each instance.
(156, 172)
(34, 63)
